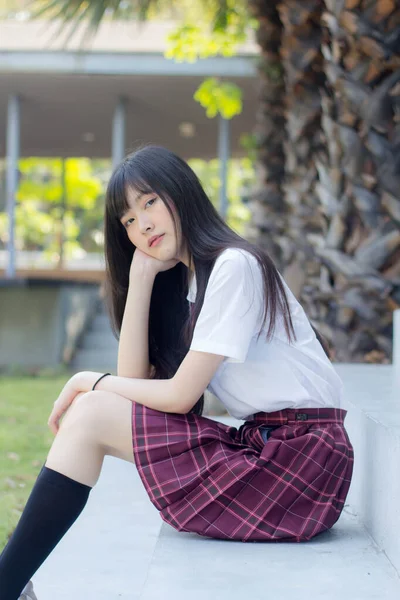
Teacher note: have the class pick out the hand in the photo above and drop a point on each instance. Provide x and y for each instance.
(143, 263)
(78, 383)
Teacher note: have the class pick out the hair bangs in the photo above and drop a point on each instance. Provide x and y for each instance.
(117, 203)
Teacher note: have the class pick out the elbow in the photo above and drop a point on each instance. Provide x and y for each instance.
(179, 402)
(185, 406)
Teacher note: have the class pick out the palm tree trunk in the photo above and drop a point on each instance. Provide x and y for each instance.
(331, 211)
(267, 204)
(359, 183)
(305, 81)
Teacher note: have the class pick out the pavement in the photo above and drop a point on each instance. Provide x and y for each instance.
(120, 548)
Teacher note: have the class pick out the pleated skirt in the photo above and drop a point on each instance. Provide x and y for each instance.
(281, 476)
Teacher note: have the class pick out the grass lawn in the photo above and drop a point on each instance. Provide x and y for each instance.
(25, 439)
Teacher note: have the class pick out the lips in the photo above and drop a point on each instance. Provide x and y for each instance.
(154, 240)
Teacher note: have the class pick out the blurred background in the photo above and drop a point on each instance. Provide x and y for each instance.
(75, 97)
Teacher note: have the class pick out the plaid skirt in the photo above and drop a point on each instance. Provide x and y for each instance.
(222, 482)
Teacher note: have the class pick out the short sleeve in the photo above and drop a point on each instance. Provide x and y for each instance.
(232, 307)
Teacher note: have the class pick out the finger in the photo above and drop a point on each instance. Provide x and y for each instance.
(53, 423)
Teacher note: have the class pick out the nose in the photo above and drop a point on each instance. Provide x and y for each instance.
(145, 223)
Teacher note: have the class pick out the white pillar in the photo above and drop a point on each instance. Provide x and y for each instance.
(12, 153)
(223, 155)
(118, 132)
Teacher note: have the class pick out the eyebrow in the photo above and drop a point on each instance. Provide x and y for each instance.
(136, 201)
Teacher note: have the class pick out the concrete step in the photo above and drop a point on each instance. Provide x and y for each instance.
(99, 339)
(100, 322)
(106, 553)
(341, 563)
(372, 394)
(120, 548)
(98, 348)
(97, 359)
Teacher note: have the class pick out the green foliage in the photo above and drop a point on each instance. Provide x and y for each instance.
(218, 97)
(240, 179)
(190, 41)
(216, 32)
(221, 15)
(25, 440)
(39, 210)
(248, 142)
(208, 28)
(41, 180)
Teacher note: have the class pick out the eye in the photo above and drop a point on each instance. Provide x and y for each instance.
(152, 200)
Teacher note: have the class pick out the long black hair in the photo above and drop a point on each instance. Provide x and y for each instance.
(154, 169)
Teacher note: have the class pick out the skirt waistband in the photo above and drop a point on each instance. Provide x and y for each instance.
(297, 416)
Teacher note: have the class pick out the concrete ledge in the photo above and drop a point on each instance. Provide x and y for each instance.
(42, 320)
(120, 548)
(340, 563)
(372, 399)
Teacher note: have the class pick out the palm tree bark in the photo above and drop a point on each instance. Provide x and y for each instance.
(330, 215)
(359, 181)
(268, 208)
(305, 80)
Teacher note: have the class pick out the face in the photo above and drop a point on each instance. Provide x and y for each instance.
(148, 217)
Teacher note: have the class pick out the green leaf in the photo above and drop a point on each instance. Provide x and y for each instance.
(241, 178)
(190, 42)
(223, 98)
(40, 200)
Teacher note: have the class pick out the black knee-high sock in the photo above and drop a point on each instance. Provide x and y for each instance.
(55, 503)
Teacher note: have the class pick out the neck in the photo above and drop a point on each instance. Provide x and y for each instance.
(185, 258)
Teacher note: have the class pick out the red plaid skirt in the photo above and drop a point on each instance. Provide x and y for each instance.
(222, 482)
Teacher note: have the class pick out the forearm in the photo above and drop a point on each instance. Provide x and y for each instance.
(158, 394)
(133, 348)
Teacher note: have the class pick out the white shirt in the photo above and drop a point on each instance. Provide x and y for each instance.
(259, 375)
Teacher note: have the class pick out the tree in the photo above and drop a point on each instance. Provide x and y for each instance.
(340, 227)
(328, 134)
(53, 198)
(240, 180)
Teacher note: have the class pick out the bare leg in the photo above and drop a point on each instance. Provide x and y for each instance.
(97, 423)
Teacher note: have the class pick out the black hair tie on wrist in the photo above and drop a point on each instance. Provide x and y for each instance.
(105, 374)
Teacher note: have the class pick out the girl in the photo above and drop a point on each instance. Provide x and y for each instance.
(196, 306)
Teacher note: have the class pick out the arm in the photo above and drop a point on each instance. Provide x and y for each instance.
(176, 395)
(217, 335)
(133, 347)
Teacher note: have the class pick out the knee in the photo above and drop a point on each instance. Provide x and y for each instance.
(82, 413)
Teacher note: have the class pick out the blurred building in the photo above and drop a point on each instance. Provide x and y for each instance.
(99, 98)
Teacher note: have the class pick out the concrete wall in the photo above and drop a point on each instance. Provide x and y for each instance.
(372, 395)
(41, 321)
(375, 491)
